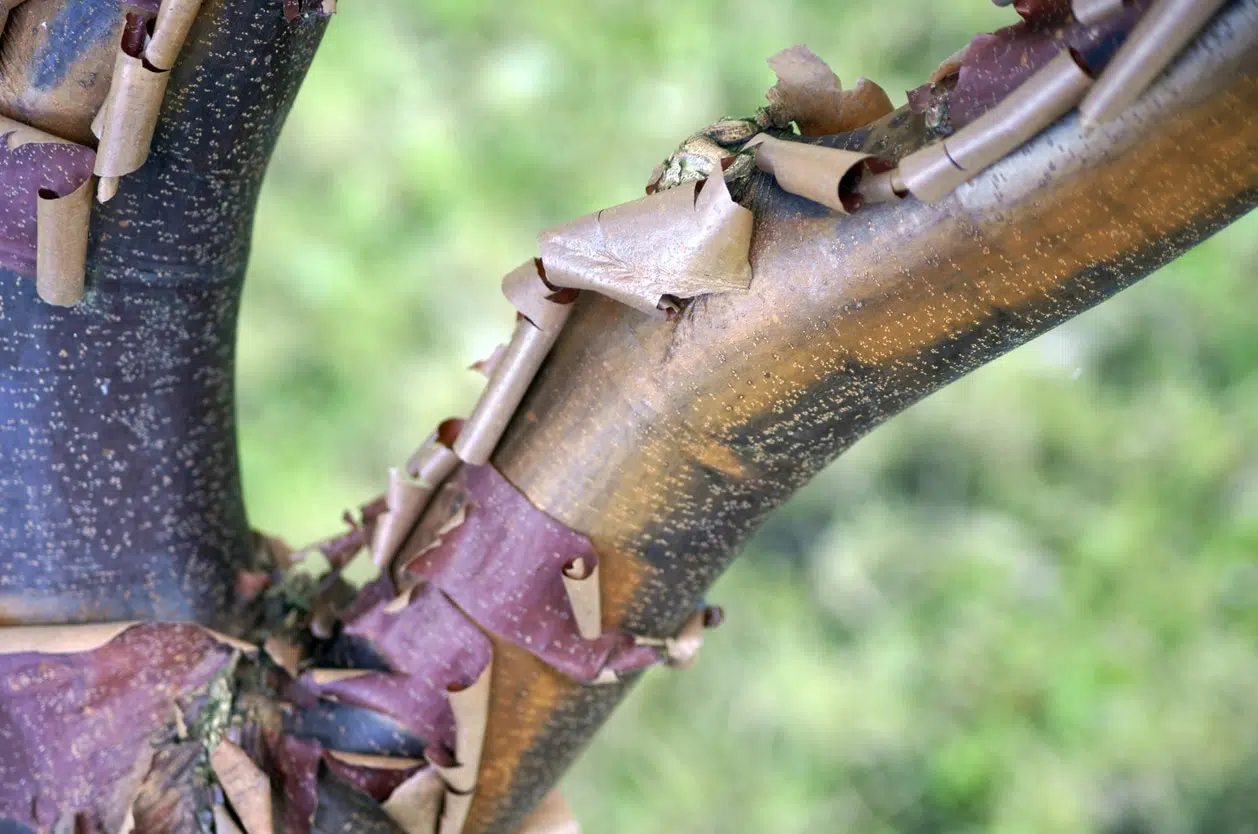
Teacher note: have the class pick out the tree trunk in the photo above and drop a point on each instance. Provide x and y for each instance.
(664, 441)
(124, 498)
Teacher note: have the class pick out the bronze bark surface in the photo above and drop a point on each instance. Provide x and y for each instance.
(668, 442)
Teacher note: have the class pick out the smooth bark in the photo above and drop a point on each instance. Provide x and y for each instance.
(667, 442)
(120, 492)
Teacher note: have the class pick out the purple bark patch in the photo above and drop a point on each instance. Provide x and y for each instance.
(504, 567)
(377, 782)
(57, 167)
(296, 778)
(76, 729)
(995, 64)
(429, 646)
(1042, 11)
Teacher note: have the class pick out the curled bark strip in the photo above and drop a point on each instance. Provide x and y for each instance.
(223, 821)
(828, 176)
(429, 646)
(391, 764)
(58, 57)
(135, 31)
(376, 776)
(433, 538)
(882, 187)
(504, 567)
(128, 118)
(174, 19)
(933, 172)
(69, 639)
(683, 242)
(416, 804)
(174, 792)
(534, 298)
(284, 653)
(454, 812)
(411, 487)
(406, 499)
(435, 459)
(339, 550)
(112, 698)
(807, 92)
(323, 677)
(61, 261)
(507, 385)
(247, 787)
(1092, 12)
(470, 705)
(1162, 33)
(864, 104)
(43, 214)
(88, 637)
(1042, 99)
(1043, 12)
(947, 68)
(995, 64)
(580, 581)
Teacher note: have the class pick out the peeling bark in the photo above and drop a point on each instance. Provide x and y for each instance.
(120, 497)
(649, 447)
(726, 412)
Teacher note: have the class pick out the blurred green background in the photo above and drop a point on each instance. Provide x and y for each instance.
(1027, 605)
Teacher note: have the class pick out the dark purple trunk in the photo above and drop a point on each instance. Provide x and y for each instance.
(120, 487)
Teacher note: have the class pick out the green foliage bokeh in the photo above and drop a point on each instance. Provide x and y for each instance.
(1026, 605)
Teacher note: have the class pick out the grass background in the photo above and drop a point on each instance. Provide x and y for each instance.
(1026, 605)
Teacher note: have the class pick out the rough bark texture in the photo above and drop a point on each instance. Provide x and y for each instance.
(120, 495)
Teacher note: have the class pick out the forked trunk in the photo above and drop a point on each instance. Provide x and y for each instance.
(664, 441)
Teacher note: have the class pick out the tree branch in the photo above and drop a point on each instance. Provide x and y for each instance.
(664, 441)
(668, 442)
